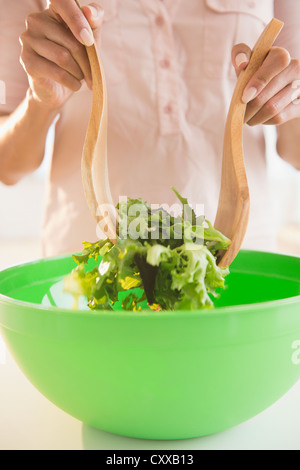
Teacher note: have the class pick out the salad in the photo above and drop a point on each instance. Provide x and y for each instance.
(159, 260)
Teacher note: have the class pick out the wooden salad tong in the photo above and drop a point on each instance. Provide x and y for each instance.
(95, 172)
(234, 202)
(94, 157)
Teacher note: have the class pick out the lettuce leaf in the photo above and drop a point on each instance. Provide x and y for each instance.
(183, 252)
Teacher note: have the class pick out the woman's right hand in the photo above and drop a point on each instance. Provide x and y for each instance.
(53, 52)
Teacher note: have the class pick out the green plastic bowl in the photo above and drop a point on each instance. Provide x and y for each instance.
(158, 375)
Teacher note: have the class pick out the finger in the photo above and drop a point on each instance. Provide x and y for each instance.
(43, 25)
(73, 17)
(94, 13)
(274, 106)
(292, 111)
(276, 61)
(78, 52)
(286, 77)
(58, 55)
(240, 56)
(38, 67)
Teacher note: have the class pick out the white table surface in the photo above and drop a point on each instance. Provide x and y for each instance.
(29, 421)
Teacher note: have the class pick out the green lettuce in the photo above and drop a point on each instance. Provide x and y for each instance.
(180, 249)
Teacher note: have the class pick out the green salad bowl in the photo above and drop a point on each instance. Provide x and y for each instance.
(158, 375)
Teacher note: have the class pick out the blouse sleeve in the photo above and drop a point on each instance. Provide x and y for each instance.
(13, 79)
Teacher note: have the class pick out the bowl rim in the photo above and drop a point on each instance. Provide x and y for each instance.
(211, 312)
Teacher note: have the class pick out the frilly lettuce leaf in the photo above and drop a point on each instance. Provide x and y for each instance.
(183, 251)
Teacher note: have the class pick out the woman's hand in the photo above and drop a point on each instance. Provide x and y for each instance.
(53, 52)
(273, 91)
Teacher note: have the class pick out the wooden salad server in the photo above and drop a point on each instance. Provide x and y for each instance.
(94, 157)
(95, 172)
(234, 203)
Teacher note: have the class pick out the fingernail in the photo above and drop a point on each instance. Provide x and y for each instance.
(89, 83)
(93, 11)
(87, 37)
(240, 59)
(249, 94)
(96, 12)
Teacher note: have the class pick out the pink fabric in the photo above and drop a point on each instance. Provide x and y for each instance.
(170, 80)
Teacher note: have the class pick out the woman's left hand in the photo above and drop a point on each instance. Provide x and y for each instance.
(273, 91)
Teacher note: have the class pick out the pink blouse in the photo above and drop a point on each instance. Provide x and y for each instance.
(170, 80)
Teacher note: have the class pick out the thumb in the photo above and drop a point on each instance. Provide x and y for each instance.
(240, 56)
(94, 13)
